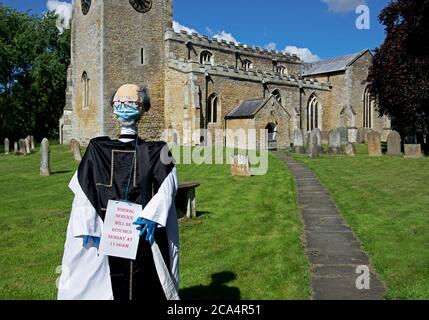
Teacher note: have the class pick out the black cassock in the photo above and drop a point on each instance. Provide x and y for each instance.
(107, 169)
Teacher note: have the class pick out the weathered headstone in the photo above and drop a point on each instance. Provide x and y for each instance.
(344, 135)
(15, 148)
(318, 135)
(335, 142)
(413, 151)
(312, 144)
(22, 149)
(32, 144)
(352, 134)
(394, 144)
(374, 144)
(75, 148)
(240, 166)
(27, 145)
(6, 146)
(361, 135)
(45, 164)
(298, 142)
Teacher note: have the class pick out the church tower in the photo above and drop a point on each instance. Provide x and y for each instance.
(115, 42)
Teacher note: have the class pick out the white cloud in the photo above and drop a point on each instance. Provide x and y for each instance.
(63, 10)
(303, 53)
(271, 46)
(223, 35)
(343, 5)
(179, 27)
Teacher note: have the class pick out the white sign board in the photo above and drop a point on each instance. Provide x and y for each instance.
(120, 238)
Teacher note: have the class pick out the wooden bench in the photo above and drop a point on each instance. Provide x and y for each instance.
(185, 200)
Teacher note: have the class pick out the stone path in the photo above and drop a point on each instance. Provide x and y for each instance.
(331, 246)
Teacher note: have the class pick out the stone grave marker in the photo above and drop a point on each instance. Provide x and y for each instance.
(394, 144)
(75, 148)
(45, 164)
(374, 144)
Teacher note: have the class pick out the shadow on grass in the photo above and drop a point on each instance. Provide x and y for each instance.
(216, 290)
(202, 213)
(60, 172)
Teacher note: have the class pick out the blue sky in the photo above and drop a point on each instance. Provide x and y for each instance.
(324, 27)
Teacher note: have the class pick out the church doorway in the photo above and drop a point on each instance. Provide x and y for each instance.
(271, 129)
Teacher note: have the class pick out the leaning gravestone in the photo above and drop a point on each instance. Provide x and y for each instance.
(22, 149)
(240, 166)
(298, 142)
(344, 135)
(335, 142)
(45, 164)
(394, 144)
(75, 148)
(32, 144)
(15, 148)
(27, 145)
(413, 151)
(374, 144)
(6, 146)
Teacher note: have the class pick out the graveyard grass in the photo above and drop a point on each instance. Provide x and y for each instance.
(245, 243)
(385, 201)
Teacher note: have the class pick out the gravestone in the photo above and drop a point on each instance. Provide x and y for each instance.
(394, 144)
(298, 142)
(15, 148)
(240, 166)
(75, 148)
(413, 151)
(32, 144)
(374, 144)
(344, 135)
(361, 135)
(22, 149)
(27, 145)
(318, 135)
(312, 144)
(335, 142)
(45, 164)
(6, 146)
(352, 135)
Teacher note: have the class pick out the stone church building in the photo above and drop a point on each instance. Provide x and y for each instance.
(197, 83)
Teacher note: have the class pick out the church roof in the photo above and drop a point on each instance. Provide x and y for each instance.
(331, 65)
(246, 109)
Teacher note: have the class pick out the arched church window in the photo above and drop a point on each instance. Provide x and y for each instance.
(277, 95)
(213, 106)
(282, 70)
(206, 57)
(246, 64)
(313, 111)
(368, 108)
(85, 90)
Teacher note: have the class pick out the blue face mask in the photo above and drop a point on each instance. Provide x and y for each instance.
(126, 111)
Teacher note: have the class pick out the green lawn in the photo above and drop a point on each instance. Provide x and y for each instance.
(386, 202)
(244, 244)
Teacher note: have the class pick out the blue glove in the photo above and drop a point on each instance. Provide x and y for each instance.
(148, 226)
(89, 239)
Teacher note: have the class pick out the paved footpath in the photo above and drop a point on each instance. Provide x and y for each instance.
(331, 246)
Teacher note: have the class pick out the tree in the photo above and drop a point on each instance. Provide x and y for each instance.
(399, 75)
(34, 57)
